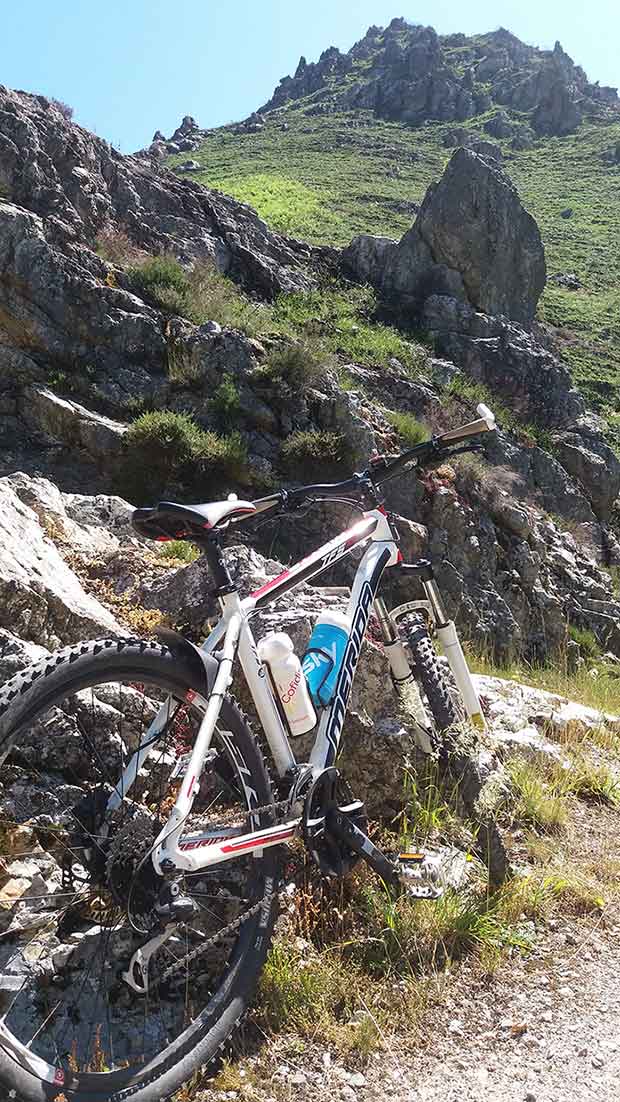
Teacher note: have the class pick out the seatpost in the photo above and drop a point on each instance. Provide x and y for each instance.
(212, 550)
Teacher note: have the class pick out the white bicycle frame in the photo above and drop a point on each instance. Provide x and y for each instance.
(233, 636)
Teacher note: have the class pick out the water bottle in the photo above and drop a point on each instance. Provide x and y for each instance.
(276, 651)
(324, 654)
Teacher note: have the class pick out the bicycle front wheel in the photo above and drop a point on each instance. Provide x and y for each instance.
(80, 889)
(459, 754)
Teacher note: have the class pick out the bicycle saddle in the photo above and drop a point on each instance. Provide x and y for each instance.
(170, 521)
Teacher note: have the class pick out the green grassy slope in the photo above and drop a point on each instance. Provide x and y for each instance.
(326, 178)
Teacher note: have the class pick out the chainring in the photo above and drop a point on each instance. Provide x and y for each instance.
(330, 792)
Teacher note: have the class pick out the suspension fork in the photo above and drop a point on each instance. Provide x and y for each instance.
(392, 645)
(448, 637)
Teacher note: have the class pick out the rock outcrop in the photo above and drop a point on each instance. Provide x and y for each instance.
(78, 186)
(471, 239)
(79, 351)
(409, 73)
(40, 598)
(470, 272)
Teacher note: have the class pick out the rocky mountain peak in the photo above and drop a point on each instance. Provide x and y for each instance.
(409, 73)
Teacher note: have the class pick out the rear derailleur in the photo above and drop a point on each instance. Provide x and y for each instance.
(334, 828)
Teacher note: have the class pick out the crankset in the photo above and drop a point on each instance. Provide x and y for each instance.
(335, 835)
(328, 793)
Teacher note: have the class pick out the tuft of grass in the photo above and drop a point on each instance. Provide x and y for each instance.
(589, 781)
(199, 293)
(536, 801)
(596, 687)
(313, 454)
(231, 1078)
(544, 892)
(407, 937)
(586, 640)
(179, 551)
(304, 990)
(428, 813)
(542, 788)
(345, 321)
(210, 296)
(410, 430)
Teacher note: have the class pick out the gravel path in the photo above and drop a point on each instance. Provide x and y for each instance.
(544, 1029)
(549, 1031)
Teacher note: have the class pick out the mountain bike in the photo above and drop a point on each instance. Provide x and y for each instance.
(143, 836)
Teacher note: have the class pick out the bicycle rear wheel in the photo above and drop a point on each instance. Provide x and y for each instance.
(81, 888)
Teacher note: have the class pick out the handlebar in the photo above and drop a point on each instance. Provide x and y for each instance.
(486, 423)
(381, 467)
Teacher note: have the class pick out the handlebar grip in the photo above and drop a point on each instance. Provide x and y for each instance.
(486, 423)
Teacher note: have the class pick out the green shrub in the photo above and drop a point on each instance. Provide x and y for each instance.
(314, 455)
(221, 458)
(168, 299)
(163, 281)
(410, 430)
(586, 639)
(167, 449)
(297, 365)
(225, 407)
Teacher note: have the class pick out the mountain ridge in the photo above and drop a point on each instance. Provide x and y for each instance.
(408, 72)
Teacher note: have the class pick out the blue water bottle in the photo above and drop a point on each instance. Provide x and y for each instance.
(324, 654)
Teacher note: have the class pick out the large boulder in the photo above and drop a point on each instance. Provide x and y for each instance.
(472, 239)
(41, 599)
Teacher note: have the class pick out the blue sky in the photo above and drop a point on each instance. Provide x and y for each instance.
(129, 67)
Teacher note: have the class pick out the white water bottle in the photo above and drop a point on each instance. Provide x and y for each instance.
(276, 651)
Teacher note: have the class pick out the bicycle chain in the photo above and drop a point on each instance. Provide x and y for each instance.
(225, 931)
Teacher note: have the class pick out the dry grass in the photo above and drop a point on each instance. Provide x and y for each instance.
(596, 686)
(535, 801)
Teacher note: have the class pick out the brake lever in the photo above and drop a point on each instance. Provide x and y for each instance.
(464, 448)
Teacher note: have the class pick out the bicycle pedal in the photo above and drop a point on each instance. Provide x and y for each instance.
(416, 886)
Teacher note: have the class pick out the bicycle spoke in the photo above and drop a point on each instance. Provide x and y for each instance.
(71, 1006)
